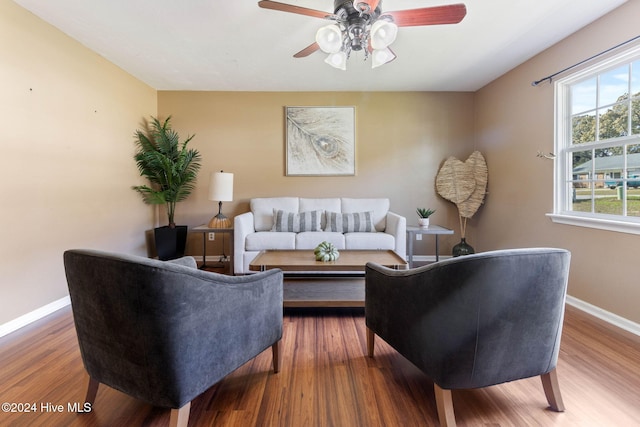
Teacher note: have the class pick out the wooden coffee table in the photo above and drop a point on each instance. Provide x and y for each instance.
(311, 283)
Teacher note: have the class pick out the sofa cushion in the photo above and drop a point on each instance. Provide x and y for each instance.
(379, 207)
(350, 222)
(376, 241)
(309, 240)
(262, 209)
(296, 222)
(324, 204)
(263, 240)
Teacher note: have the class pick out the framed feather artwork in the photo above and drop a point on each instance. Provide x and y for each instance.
(320, 141)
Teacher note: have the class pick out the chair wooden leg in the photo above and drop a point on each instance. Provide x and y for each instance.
(444, 403)
(277, 356)
(552, 390)
(92, 391)
(180, 417)
(370, 342)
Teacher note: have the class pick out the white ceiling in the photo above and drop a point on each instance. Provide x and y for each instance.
(233, 45)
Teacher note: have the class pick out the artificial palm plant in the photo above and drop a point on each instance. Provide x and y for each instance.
(170, 166)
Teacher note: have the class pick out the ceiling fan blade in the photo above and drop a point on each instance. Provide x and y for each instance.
(283, 7)
(451, 14)
(307, 50)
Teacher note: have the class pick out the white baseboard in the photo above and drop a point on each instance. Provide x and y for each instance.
(31, 317)
(605, 315)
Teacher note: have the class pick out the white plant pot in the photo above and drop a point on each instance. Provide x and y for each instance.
(423, 222)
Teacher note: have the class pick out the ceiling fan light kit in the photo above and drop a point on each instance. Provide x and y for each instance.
(360, 25)
(383, 33)
(381, 56)
(337, 60)
(329, 38)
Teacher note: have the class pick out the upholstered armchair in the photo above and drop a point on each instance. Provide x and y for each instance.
(164, 332)
(474, 321)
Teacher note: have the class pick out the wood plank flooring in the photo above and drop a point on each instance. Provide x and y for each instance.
(327, 380)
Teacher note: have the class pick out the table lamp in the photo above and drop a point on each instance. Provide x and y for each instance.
(220, 190)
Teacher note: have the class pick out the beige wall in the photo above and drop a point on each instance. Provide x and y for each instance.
(401, 139)
(68, 118)
(513, 121)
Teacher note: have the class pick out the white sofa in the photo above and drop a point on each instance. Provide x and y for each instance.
(301, 223)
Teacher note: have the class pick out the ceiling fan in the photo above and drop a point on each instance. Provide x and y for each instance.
(361, 25)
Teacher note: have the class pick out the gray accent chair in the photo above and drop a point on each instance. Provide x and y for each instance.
(474, 321)
(164, 332)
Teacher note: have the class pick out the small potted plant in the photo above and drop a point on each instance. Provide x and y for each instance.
(423, 216)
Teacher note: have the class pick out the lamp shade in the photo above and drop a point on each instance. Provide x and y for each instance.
(381, 56)
(329, 38)
(221, 186)
(383, 33)
(337, 60)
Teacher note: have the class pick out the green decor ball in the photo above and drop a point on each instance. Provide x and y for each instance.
(326, 252)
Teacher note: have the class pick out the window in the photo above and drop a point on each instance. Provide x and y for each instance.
(597, 174)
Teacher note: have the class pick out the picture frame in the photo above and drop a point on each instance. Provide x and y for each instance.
(320, 141)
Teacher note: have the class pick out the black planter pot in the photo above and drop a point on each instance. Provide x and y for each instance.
(462, 248)
(170, 242)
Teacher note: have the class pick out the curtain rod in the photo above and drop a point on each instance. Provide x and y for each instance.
(551, 76)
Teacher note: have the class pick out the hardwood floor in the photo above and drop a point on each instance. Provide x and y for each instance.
(326, 380)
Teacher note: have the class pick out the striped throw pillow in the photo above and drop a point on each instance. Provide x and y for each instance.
(356, 222)
(296, 222)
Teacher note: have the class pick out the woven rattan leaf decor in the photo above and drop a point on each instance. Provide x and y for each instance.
(480, 173)
(455, 180)
(464, 184)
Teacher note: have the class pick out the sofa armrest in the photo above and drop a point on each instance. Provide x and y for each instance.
(243, 225)
(397, 227)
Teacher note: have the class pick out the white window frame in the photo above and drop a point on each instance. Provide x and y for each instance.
(563, 161)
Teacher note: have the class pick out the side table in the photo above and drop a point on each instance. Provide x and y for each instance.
(204, 229)
(436, 230)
